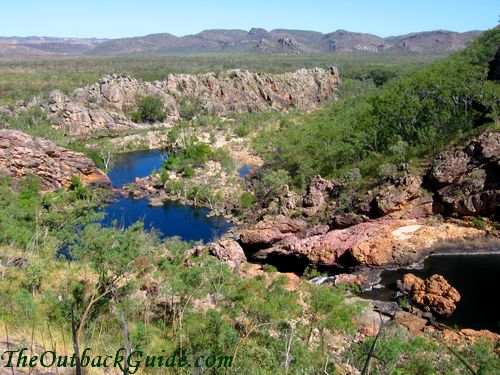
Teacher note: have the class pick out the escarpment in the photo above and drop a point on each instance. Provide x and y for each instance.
(105, 104)
(21, 155)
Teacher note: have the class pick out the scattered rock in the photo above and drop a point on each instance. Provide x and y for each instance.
(414, 324)
(350, 278)
(469, 335)
(316, 193)
(346, 220)
(155, 202)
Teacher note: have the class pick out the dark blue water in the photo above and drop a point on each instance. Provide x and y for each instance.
(172, 219)
(130, 165)
(243, 171)
(476, 277)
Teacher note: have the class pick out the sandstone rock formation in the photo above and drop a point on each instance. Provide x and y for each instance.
(467, 181)
(317, 191)
(228, 251)
(270, 231)
(102, 106)
(413, 323)
(83, 117)
(21, 154)
(405, 197)
(434, 294)
(380, 242)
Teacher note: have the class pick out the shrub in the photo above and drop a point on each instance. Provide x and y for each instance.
(271, 182)
(189, 108)
(149, 109)
(188, 172)
(242, 130)
(194, 155)
(386, 171)
(33, 276)
(247, 200)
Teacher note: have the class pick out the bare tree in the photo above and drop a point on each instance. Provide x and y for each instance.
(107, 155)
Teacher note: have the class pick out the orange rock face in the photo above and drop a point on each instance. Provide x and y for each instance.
(434, 294)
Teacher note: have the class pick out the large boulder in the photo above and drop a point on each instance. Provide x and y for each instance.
(21, 154)
(317, 191)
(434, 294)
(270, 231)
(229, 251)
(405, 197)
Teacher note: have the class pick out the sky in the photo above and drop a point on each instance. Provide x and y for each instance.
(125, 18)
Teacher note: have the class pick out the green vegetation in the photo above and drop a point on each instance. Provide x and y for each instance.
(247, 200)
(409, 117)
(58, 264)
(247, 319)
(35, 122)
(149, 109)
(193, 156)
(397, 352)
(189, 108)
(42, 223)
(25, 79)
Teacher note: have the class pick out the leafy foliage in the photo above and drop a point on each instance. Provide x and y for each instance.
(149, 109)
(411, 116)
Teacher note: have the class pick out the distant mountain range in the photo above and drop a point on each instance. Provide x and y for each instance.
(255, 41)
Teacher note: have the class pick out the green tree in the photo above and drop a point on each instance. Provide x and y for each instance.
(113, 254)
(149, 109)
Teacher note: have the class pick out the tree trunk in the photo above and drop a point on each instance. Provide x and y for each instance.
(75, 344)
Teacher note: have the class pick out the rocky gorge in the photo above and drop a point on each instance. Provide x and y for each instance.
(396, 224)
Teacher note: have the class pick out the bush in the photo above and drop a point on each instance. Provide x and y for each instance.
(33, 276)
(385, 171)
(188, 172)
(149, 109)
(189, 108)
(194, 155)
(247, 200)
(271, 183)
(242, 130)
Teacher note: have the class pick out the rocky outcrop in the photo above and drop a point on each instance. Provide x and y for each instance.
(467, 181)
(84, 117)
(21, 154)
(405, 197)
(380, 242)
(434, 294)
(103, 105)
(270, 231)
(470, 335)
(414, 324)
(317, 191)
(228, 251)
